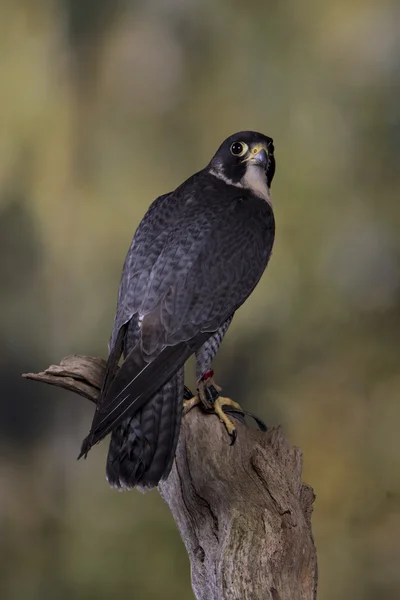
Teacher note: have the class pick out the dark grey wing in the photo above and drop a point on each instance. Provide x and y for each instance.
(212, 256)
(147, 244)
(153, 234)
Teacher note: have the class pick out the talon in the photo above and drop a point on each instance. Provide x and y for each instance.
(208, 394)
(219, 403)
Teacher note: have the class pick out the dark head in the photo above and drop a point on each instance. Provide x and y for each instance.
(246, 159)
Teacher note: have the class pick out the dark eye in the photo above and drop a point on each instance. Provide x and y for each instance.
(237, 148)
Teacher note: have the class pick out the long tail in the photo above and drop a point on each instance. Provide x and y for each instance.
(136, 382)
(142, 448)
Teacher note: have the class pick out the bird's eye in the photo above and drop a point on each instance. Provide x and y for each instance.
(238, 148)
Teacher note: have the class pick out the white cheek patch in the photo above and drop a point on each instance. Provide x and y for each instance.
(255, 179)
(221, 176)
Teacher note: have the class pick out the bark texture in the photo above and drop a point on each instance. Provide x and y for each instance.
(242, 511)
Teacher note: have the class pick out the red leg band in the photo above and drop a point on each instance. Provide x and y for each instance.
(207, 375)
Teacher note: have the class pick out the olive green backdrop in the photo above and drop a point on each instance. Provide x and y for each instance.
(104, 106)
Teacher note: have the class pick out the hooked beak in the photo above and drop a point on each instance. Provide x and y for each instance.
(261, 158)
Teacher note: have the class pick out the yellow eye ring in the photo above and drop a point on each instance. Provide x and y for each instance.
(239, 148)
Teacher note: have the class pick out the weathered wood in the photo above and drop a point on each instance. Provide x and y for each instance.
(80, 374)
(242, 511)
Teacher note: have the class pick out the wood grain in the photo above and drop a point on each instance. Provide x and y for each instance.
(243, 512)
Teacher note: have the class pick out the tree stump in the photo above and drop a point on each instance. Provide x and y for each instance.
(243, 512)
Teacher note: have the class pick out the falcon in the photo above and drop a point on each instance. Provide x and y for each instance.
(195, 258)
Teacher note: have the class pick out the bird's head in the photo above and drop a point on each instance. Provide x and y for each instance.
(246, 160)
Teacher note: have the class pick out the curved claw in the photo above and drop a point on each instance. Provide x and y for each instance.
(209, 394)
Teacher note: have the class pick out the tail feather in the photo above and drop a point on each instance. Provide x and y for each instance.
(135, 383)
(168, 434)
(178, 420)
(142, 449)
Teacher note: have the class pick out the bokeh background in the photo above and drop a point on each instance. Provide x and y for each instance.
(104, 106)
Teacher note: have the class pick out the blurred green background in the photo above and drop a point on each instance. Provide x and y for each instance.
(104, 106)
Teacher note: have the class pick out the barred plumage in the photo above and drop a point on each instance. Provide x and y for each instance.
(196, 256)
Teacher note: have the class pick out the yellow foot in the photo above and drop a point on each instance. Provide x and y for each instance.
(189, 404)
(229, 426)
(208, 396)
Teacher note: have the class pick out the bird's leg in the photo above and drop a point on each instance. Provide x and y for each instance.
(208, 390)
(208, 396)
(208, 393)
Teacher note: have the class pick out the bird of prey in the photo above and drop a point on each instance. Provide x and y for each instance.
(195, 258)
